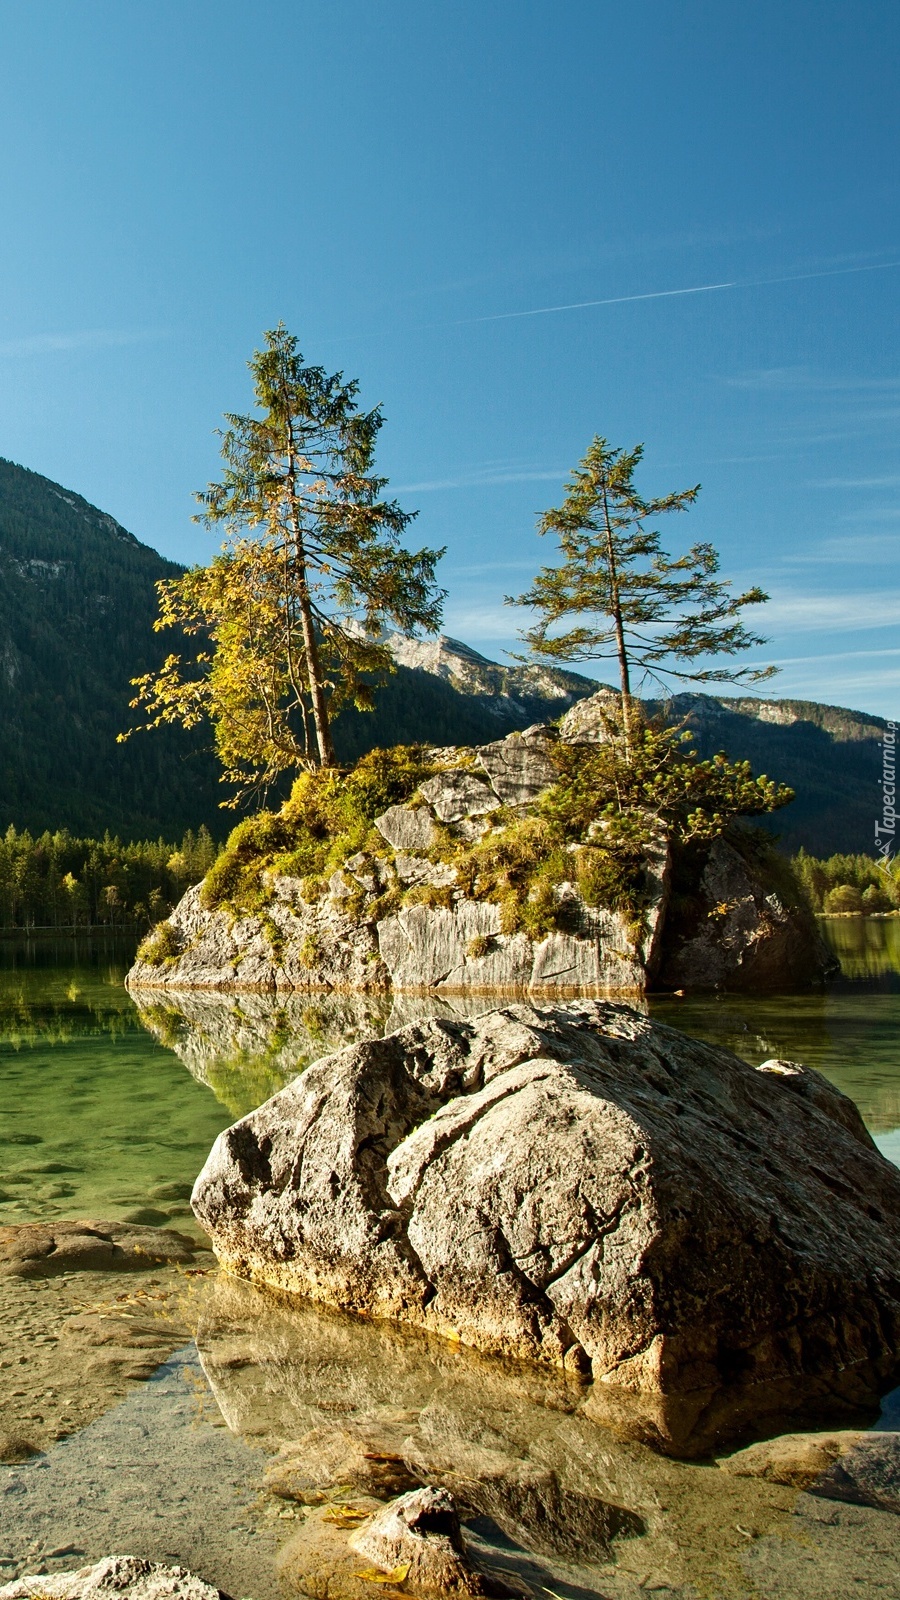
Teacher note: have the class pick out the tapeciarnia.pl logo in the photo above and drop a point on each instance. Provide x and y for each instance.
(887, 827)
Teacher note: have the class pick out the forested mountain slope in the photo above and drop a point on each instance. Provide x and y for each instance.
(831, 757)
(76, 610)
(77, 603)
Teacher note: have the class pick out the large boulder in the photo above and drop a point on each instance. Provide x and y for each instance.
(577, 1186)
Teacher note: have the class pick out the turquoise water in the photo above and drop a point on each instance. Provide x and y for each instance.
(96, 1117)
(110, 1113)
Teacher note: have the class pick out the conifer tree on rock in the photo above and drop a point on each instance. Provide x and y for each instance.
(290, 614)
(617, 595)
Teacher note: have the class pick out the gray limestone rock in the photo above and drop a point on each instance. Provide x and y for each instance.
(593, 721)
(123, 1576)
(408, 829)
(299, 945)
(575, 1185)
(418, 869)
(455, 795)
(371, 928)
(735, 931)
(421, 1533)
(519, 767)
(822, 1094)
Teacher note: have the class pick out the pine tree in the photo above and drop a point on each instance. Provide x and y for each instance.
(636, 605)
(291, 614)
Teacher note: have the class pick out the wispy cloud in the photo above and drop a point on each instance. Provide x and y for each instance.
(44, 344)
(483, 477)
(837, 613)
(835, 655)
(496, 622)
(872, 514)
(888, 481)
(855, 550)
(791, 380)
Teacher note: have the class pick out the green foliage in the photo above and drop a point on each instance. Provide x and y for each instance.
(617, 595)
(844, 898)
(661, 774)
(57, 881)
(294, 608)
(842, 883)
(162, 946)
(327, 818)
(595, 827)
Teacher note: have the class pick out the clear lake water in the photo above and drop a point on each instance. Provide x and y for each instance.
(108, 1110)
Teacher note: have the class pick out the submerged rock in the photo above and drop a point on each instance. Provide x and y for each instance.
(41, 1249)
(326, 1458)
(862, 1468)
(575, 1185)
(125, 1576)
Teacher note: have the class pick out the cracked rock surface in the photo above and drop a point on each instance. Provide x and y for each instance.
(576, 1185)
(345, 943)
(125, 1576)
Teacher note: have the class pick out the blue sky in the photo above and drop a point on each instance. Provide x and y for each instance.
(410, 187)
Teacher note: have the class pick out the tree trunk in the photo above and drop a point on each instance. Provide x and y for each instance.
(317, 695)
(324, 740)
(621, 651)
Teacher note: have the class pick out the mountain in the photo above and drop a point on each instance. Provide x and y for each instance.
(77, 603)
(831, 757)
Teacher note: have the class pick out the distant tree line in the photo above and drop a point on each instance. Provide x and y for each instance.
(856, 883)
(54, 880)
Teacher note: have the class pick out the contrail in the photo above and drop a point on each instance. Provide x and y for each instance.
(669, 294)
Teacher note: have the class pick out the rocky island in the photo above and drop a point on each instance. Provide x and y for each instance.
(477, 869)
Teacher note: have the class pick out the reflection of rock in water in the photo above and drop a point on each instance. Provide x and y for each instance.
(246, 1047)
(344, 1399)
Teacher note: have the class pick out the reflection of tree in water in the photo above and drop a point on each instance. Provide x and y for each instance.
(867, 947)
(54, 1005)
(246, 1047)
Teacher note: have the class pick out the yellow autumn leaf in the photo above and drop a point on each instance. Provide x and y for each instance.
(344, 1516)
(398, 1575)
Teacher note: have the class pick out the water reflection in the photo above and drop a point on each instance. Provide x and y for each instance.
(245, 1047)
(851, 1038)
(867, 947)
(337, 1395)
(96, 1119)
